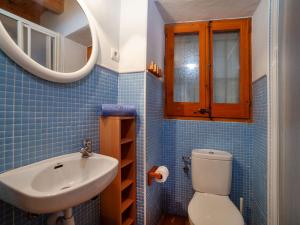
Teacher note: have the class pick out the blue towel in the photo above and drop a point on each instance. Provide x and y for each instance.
(116, 110)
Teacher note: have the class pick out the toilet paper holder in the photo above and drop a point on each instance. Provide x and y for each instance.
(153, 175)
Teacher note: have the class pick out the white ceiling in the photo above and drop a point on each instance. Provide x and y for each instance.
(192, 10)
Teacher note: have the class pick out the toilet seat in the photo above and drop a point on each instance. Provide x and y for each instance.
(210, 209)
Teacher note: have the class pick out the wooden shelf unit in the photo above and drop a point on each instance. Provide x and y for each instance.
(118, 200)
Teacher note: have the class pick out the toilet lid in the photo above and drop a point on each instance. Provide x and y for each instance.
(210, 209)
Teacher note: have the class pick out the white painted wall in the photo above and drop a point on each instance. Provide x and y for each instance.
(260, 40)
(122, 25)
(155, 36)
(133, 35)
(107, 15)
(74, 55)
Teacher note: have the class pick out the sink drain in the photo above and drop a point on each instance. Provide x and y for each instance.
(66, 187)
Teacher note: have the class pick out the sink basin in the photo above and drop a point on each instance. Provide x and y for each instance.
(58, 183)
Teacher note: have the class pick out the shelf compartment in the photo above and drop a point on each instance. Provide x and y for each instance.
(126, 141)
(128, 221)
(128, 194)
(126, 162)
(127, 129)
(128, 216)
(126, 204)
(126, 183)
(127, 151)
(127, 173)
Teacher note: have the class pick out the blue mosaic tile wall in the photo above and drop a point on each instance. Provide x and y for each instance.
(131, 91)
(154, 150)
(40, 120)
(260, 144)
(247, 143)
(181, 136)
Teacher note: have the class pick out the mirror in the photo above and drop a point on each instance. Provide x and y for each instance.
(54, 39)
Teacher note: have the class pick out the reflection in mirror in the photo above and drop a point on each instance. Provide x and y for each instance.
(56, 34)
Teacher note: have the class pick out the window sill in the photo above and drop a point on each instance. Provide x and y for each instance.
(208, 119)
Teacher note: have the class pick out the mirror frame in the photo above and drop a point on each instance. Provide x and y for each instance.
(9, 47)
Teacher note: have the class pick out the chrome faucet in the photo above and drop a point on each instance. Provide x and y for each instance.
(86, 151)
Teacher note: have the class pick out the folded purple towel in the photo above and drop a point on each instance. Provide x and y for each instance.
(116, 110)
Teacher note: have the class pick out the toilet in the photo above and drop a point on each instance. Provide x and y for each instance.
(211, 178)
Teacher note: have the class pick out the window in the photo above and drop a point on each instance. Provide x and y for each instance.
(39, 43)
(208, 69)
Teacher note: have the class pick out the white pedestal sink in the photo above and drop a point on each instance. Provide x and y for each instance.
(58, 183)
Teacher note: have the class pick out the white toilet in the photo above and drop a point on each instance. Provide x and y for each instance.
(211, 177)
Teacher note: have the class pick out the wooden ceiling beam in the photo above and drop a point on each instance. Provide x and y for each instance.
(56, 6)
(25, 9)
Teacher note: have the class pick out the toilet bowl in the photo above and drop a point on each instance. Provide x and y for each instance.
(210, 209)
(211, 178)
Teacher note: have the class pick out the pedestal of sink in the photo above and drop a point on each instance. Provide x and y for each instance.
(62, 218)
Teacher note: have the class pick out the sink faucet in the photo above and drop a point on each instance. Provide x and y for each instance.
(86, 151)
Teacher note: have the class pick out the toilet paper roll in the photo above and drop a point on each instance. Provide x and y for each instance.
(164, 172)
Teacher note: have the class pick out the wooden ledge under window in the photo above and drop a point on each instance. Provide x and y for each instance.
(208, 119)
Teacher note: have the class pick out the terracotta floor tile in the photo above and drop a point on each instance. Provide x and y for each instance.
(174, 220)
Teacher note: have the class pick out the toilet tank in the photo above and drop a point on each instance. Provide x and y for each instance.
(211, 171)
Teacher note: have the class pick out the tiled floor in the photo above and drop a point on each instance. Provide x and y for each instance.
(174, 220)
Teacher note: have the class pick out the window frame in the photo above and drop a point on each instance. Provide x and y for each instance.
(213, 111)
(242, 109)
(186, 108)
(51, 62)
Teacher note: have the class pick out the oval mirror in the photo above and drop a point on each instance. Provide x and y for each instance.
(53, 39)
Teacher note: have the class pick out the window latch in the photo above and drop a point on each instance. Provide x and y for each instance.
(203, 111)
